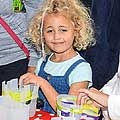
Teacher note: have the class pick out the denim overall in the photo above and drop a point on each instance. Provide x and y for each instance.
(60, 83)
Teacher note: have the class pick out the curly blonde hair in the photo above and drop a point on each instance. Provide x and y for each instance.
(79, 15)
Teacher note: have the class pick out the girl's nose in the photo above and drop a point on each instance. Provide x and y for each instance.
(56, 35)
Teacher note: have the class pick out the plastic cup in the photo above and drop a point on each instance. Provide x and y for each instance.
(3, 110)
(12, 110)
(21, 113)
(3, 113)
(32, 107)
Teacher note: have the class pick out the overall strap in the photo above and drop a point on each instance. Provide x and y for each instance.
(15, 37)
(73, 66)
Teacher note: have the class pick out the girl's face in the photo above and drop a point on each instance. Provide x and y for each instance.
(58, 32)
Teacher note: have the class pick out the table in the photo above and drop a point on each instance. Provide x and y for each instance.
(42, 115)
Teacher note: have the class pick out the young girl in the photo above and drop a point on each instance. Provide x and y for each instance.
(63, 26)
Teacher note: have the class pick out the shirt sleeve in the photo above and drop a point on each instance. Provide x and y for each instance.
(82, 72)
(114, 106)
(38, 65)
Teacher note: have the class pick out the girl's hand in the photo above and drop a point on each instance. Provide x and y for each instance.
(29, 78)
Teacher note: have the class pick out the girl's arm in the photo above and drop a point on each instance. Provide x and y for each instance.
(74, 88)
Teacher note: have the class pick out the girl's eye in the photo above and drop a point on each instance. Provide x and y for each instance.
(63, 30)
(49, 31)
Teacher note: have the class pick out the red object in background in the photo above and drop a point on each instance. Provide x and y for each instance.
(42, 115)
